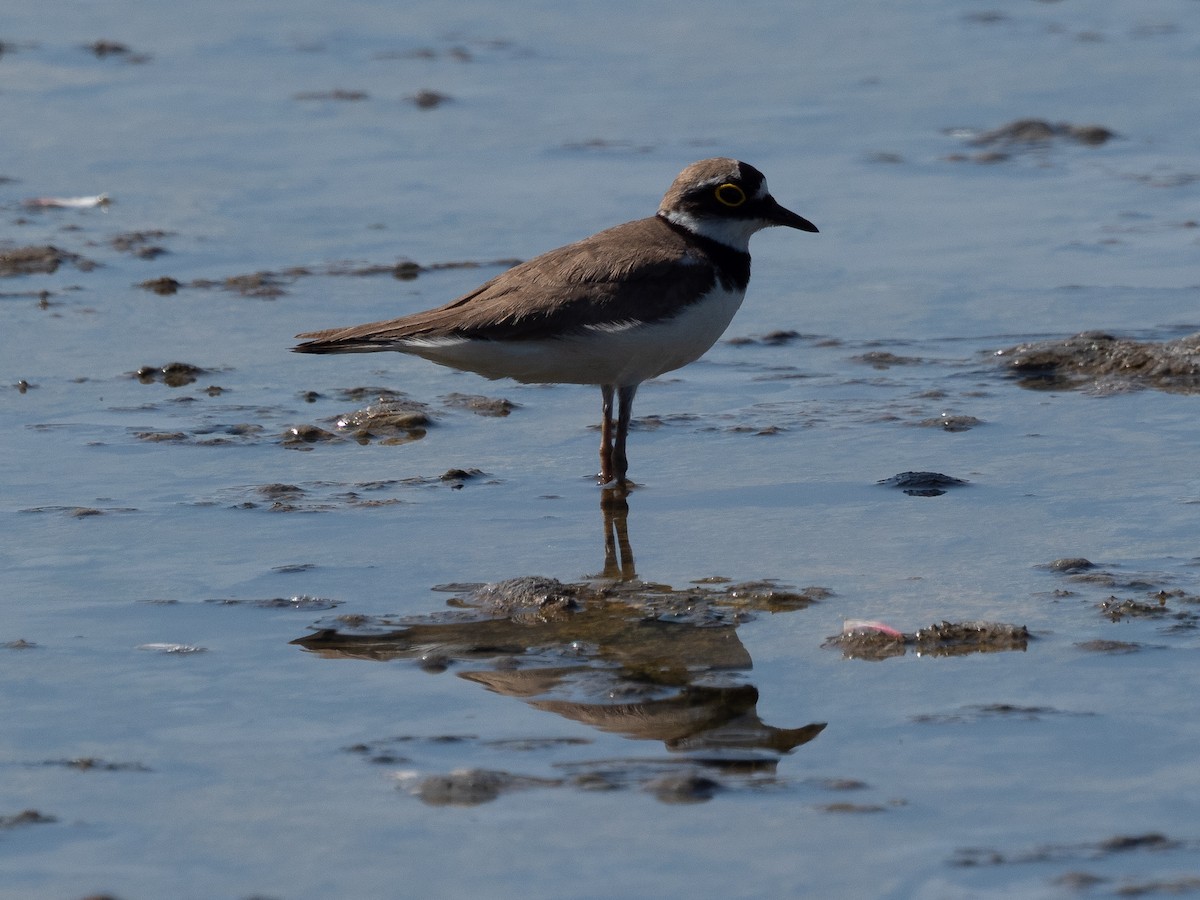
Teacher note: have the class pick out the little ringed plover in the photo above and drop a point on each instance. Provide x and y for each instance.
(614, 309)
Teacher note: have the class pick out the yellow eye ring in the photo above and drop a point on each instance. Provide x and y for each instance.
(730, 195)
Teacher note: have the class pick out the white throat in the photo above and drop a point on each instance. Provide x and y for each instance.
(733, 233)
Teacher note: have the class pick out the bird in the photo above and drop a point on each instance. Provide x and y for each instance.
(615, 309)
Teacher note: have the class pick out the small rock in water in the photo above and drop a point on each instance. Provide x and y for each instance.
(683, 788)
(922, 484)
(471, 787)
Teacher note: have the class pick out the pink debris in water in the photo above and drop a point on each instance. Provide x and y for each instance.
(67, 202)
(864, 626)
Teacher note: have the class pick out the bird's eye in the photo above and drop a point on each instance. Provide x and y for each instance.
(730, 195)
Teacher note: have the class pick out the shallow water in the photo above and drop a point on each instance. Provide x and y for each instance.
(145, 520)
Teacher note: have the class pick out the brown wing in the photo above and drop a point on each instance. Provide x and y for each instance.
(641, 271)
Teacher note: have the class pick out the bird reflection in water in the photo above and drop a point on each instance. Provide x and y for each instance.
(645, 661)
(618, 553)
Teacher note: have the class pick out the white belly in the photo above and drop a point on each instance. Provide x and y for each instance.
(625, 354)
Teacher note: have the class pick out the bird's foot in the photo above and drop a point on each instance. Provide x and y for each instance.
(616, 483)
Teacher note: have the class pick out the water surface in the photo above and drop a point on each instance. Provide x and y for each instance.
(143, 518)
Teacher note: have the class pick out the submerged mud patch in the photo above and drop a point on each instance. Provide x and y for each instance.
(93, 764)
(80, 512)
(883, 359)
(164, 286)
(426, 98)
(496, 407)
(140, 243)
(1025, 136)
(951, 423)
(670, 781)
(981, 712)
(207, 435)
(1039, 131)
(1145, 600)
(338, 94)
(104, 48)
(271, 283)
(1113, 647)
(1116, 847)
(1104, 364)
(25, 817)
(778, 338)
(689, 779)
(1153, 842)
(392, 418)
(300, 603)
(469, 787)
(319, 496)
(876, 641)
(172, 374)
(536, 600)
(41, 260)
